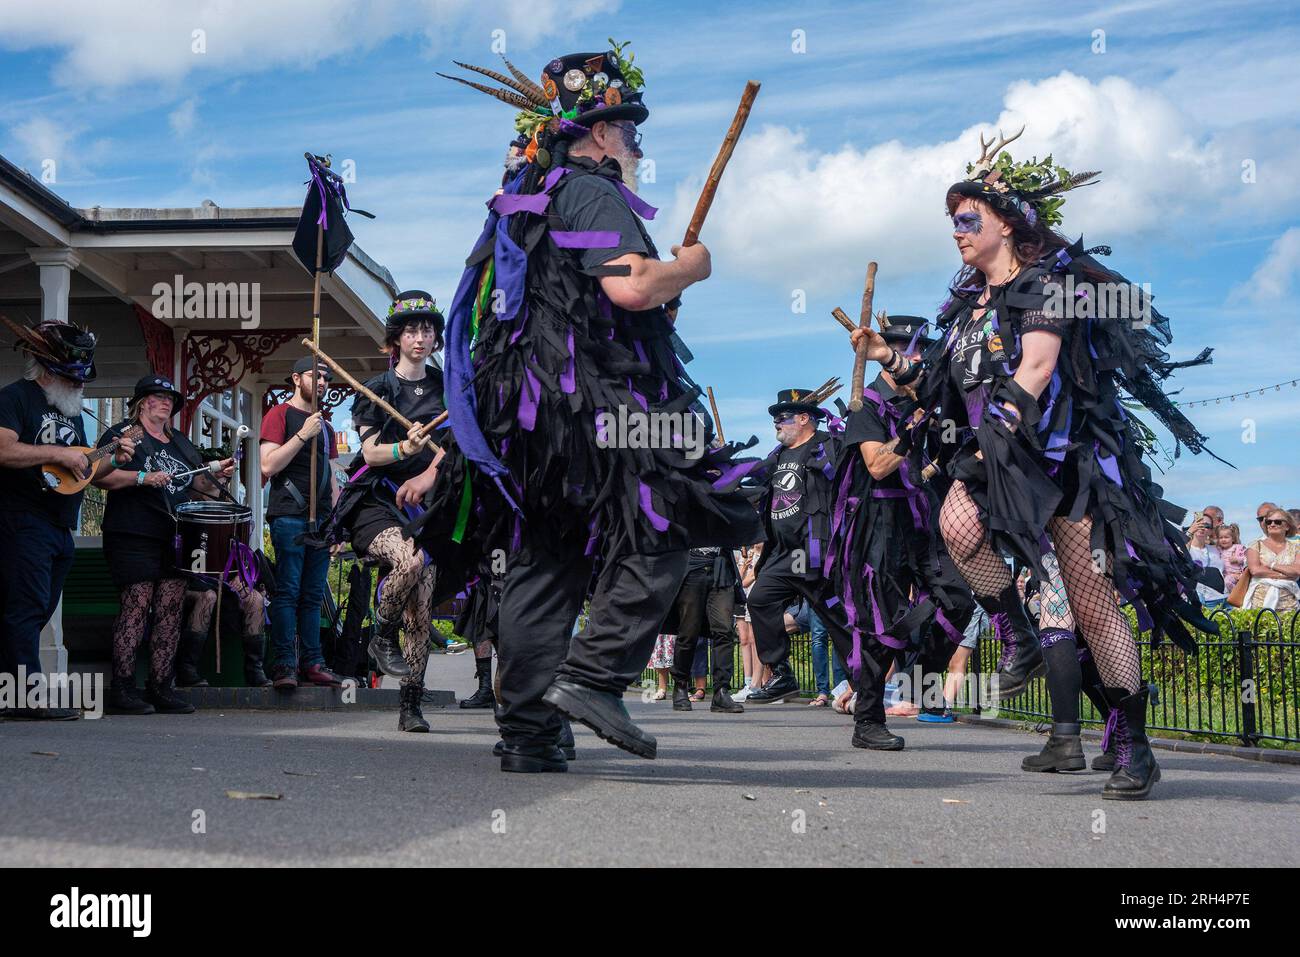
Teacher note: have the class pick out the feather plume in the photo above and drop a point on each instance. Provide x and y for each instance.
(505, 96)
(824, 391)
(531, 88)
(537, 100)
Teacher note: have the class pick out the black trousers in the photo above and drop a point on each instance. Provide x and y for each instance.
(699, 604)
(777, 587)
(35, 557)
(542, 596)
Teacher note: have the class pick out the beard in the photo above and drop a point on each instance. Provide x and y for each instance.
(64, 396)
(628, 164)
(786, 437)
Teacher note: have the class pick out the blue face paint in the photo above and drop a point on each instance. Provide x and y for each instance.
(968, 223)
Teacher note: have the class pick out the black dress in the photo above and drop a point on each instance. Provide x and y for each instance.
(1076, 451)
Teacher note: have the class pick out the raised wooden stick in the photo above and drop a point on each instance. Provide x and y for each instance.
(717, 419)
(843, 319)
(369, 394)
(315, 338)
(715, 173)
(864, 322)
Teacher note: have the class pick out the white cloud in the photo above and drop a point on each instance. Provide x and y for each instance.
(112, 44)
(1273, 280)
(833, 210)
(182, 118)
(42, 139)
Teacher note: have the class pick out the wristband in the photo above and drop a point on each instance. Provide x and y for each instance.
(140, 476)
(397, 452)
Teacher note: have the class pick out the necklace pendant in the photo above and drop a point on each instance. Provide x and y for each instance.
(419, 390)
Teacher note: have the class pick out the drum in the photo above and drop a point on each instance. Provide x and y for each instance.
(208, 534)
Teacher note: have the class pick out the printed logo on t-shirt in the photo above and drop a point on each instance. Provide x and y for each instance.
(164, 461)
(969, 351)
(56, 429)
(787, 490)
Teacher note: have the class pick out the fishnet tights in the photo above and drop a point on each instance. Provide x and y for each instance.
(1092, 597)
(408, 591)
(167, 598)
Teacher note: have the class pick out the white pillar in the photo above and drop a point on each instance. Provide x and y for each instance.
(56, 267)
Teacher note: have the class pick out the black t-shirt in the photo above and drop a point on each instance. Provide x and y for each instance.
(976, 349)
(419, 401)
(788, 500)
(25, 410)
(866, 425)
(593, 203)
(143, 509)
(280, 425)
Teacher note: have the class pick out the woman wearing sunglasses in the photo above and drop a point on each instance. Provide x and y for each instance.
(1274, 564)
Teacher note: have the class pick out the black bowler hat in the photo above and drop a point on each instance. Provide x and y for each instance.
(901, 329)
(795, 400)
(158, 385)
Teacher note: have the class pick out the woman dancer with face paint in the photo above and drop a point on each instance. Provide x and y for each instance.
(1033, 360)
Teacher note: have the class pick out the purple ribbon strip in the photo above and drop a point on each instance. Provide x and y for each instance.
(586, 239)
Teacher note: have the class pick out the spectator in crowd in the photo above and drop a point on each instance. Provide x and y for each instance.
(1274, 564)
(661, 660)
(822, 669)
(1215, 515)
(1233, 554)
(746, 562)
(1295, 519)
(1206, 554)
(699, 670)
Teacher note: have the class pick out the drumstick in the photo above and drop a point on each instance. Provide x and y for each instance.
(369, 394)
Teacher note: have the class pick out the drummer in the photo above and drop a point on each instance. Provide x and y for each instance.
(388, 489)
(139, 544)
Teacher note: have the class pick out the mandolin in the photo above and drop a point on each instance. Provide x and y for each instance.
(58, 479)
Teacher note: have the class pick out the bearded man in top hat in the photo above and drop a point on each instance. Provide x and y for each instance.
(41, 424)
(566, 302)
(887, 562)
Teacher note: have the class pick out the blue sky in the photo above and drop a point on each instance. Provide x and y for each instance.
(867, 112)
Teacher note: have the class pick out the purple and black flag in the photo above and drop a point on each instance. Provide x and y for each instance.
(324, 207)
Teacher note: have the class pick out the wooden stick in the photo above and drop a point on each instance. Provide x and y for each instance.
(843, 319)
(720, 163)
(717, 419)
(315, 338)
(729, 141)
(361, 389)
(864, 322)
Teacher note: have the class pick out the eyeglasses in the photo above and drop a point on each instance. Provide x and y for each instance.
(631, 135)
(1274, 521)
(784, 418)
(1260, 518)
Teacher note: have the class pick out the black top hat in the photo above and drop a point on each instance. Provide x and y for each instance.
(901, 329)
(414, 305)
(789, 400)
(591, 87)
(153, 384)
(58, 347)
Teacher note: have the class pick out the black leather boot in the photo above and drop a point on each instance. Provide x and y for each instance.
(124, 698)
(188, 655)
(1022, 658)
(483, 697)
(603, 712)
(1063, 751)
(874, 736)
(532, 758)
(162, 695)
(566, 744)
(254, 675)
(1135, 766)
(386, 651)
(782, 686)
(681, 697)
(410, 717)
(724, 703)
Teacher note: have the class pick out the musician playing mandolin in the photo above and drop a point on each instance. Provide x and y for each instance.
(41, 425)
(139, 544)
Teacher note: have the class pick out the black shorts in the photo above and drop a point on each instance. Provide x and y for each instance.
(135, 558)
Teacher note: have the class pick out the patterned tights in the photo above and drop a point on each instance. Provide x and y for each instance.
(166, 597)
(407, 591)
(1092, 596)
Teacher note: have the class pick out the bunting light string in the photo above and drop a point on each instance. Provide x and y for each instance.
(1219, 400)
